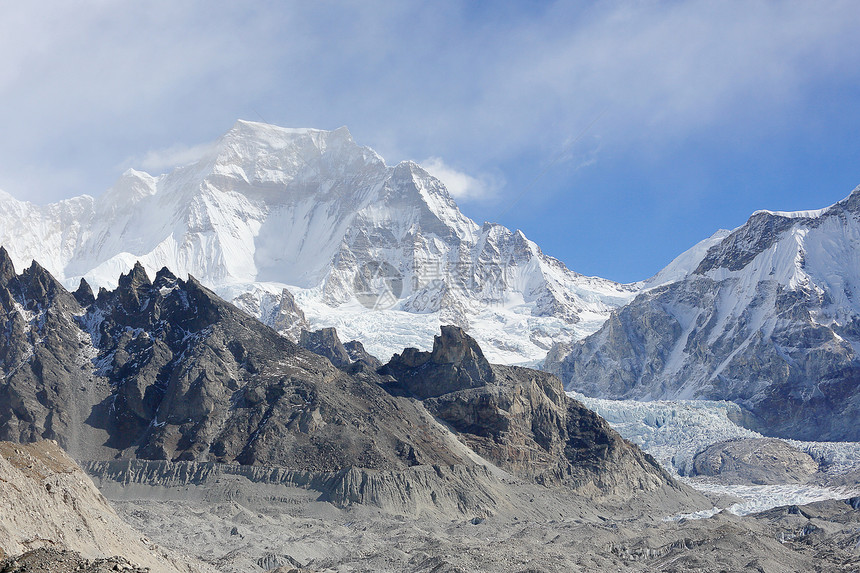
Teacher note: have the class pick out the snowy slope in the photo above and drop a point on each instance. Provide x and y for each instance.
(769, 319)
(685, 263)
(383, 253)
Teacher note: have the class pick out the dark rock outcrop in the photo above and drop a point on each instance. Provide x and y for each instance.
(164, 369)
(358, 355)
(84, 295)
(521, 419)
(45, 391)
(326, 342)
(350, 357)
(456, 363)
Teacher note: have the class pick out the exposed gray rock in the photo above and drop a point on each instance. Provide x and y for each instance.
(325, 342)
(755, 461)
(84, 294)
(438, 490)
(287, 318)
(280, 311)
(274, 561)
(521, 419)
(357, 354)
(456, 363)
(47, 391)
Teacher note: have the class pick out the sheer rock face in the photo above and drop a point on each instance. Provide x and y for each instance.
(351, 357)
(358, 355)
(769, 319)
(521, 419)
(41, 352)
(326, 342)
(164, 369)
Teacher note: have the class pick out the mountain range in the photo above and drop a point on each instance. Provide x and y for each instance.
(165, 370)
(305, 229)
(382, 253)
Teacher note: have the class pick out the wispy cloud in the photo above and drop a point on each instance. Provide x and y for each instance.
(86, 88)
(460, 185)
(158, 161)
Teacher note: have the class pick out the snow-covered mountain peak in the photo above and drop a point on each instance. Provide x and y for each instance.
(685, 263)
(850, 204)
(359, 243)
(251, 138)
(258, 153)
(774, 245)
(769, 318)
(412, 188)
(132, 187)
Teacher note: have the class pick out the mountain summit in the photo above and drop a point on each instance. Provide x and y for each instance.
(768, 317)
(313, 212)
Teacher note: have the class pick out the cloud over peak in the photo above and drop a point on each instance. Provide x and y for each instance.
(461, 185)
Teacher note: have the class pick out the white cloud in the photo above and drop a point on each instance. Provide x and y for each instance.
(161, 160)
(460, 185)
(86, 88)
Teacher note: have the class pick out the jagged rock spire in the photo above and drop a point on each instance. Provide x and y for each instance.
(7, 269)
(456, 363)
(84, 294)
(132, 285)
(164, 277)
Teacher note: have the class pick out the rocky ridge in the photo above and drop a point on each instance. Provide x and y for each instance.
(521, 419)
(165, 370)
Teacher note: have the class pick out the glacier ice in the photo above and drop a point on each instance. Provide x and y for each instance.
(675, 431)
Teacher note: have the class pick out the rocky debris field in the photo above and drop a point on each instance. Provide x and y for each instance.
(755, 461)
(49, 560)
(581, 537)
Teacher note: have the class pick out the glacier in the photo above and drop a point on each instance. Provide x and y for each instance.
(675, 431)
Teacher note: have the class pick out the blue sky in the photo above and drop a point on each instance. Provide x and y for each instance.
(614, 134)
